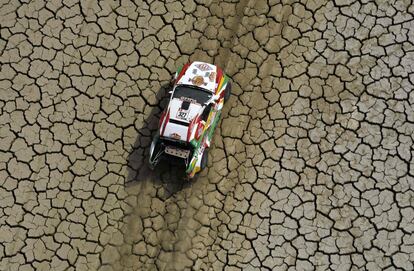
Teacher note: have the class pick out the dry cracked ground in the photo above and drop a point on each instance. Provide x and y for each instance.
(312, 165)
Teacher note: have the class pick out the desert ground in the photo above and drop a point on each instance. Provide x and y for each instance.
(311, 167)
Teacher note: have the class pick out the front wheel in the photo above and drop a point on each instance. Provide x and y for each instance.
(227, 91)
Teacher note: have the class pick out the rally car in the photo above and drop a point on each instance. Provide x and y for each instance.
(186, 127)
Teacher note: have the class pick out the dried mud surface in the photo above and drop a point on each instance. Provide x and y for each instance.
(312, 164)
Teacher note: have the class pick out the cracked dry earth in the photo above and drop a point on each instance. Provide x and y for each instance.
(312, 164)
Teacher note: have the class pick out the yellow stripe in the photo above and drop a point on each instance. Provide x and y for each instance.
(195, 170)
(220, 84)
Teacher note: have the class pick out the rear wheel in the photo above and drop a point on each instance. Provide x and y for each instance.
(155, 150)
(227, 92)
(204, 160)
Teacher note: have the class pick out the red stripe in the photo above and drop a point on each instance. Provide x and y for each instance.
(165, 122)
(222, 94)
(162, 118)
(183, 70)
(219, 75)
(190, 127)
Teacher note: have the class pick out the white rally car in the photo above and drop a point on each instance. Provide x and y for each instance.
(187, 124)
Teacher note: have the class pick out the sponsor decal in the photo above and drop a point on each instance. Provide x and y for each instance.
(187, 99)
(203, 67)
(212, 76)
(197, 80)
(175, 136)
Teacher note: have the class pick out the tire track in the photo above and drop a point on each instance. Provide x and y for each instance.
(162, 258)
(311, 163)
(176, 239)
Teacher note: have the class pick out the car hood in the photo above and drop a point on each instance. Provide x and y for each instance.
(179, 111)
(179, 122)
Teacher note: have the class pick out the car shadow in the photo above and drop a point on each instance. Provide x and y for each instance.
(168, 175)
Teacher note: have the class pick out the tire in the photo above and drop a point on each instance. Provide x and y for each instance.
(155, 146)
(204, 160)
(227, 92)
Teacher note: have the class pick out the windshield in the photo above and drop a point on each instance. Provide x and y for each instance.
(191, 94)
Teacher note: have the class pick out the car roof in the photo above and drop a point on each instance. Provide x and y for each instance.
(200, 74)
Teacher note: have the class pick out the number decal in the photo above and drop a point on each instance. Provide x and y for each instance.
(182, 115)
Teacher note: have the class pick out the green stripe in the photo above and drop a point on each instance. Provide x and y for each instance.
(196, 144)
(214, 125)
(226, 79)
(179, 69)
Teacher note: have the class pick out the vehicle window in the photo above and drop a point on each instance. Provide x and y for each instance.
(191, 94)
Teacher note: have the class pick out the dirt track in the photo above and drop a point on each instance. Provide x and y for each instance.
(312, 165)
